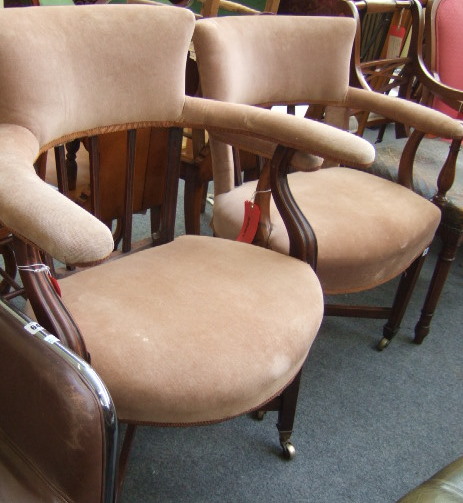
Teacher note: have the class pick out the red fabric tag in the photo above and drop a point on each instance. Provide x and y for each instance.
(55, 284)
(396, 37)
(250, 222)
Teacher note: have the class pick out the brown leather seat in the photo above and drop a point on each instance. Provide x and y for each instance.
(445, 486)
(58, 427)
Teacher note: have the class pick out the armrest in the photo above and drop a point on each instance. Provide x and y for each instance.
(301, 161)
(295, 132)
(39, 214)
(450, 95)
(418, 116)
(291, 134)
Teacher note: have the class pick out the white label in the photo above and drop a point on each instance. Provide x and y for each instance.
(51, 339)
(33, 327)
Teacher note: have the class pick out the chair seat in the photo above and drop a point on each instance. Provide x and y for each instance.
(350, 257)
(428, 159)
(160, 367)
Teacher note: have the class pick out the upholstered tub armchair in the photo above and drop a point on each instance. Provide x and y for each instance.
(197, 330)
(368, 230)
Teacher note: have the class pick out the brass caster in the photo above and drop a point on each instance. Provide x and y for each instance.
(288, 450)
(258, 415)
(383, 344)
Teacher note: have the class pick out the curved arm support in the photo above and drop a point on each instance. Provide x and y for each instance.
(302, 239)
(294, 132)
(48, 308)
(34, 210)
(400, 110)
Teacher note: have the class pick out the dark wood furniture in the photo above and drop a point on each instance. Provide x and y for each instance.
(442, 185)
(411, 77)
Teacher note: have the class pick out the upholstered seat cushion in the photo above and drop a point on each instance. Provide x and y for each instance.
(368, 234)
(175, 333)
(429, 158)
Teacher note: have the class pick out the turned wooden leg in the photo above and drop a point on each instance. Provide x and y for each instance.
(401, 300)
(286, 416)
(197, 174)
(451, 241)
(71, 164)
(193, 204)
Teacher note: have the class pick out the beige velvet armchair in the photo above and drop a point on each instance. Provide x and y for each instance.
(368, 230)
(194, 331)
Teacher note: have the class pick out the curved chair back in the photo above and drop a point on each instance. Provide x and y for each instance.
(86, 84)
(58, 427)
(313, 45)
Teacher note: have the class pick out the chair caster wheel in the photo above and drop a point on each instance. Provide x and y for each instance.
(383, 344)
(258, 415)
(288, 450)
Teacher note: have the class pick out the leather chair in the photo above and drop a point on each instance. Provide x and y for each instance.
(367, 230)
(58, 426)
(197, 330)
(445, 486)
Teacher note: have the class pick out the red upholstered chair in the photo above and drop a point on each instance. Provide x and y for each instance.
(368, 230)
(194, 331)
(444, 40)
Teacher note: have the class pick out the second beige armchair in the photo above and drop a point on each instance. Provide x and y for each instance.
(368, 230)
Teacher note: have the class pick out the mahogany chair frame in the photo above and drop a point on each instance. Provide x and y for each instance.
(416, 83)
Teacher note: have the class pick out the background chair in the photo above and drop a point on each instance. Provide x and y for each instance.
(196, 168)
(445, 186)
(367, 231)
(443, 38)
(58, 426)
(193, 332)
(9, 287)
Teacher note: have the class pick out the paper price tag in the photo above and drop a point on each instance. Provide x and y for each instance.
(395, 41)
(250, 222)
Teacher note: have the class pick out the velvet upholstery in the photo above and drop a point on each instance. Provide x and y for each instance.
(145, 94)
(160, 332)
(447, 39)
(368, 230)
(197, 330)
(374, 204)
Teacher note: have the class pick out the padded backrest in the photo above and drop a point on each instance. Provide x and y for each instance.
(274, 59)
(67, 69)
(57, 423)
(447, 17)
